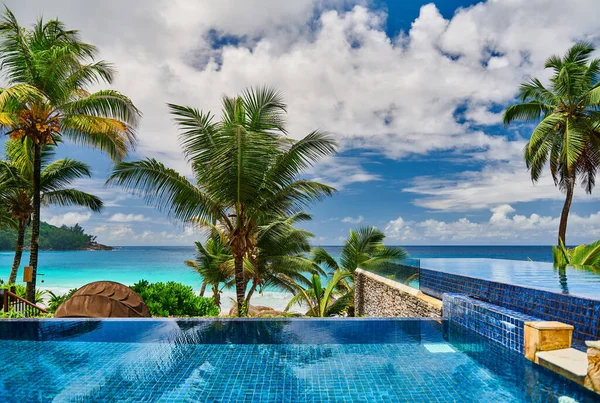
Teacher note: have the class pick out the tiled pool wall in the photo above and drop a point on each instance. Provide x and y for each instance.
(582, 313)
(226, 331)
(502, 325)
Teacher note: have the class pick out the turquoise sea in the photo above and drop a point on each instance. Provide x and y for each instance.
(61, 270)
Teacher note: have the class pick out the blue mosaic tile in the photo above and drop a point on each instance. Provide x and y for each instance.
(178, 361)
(501, 325)
(582, 313)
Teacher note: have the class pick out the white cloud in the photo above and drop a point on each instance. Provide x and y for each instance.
(502, 226)
(352, 220)
(97, 187)
(119, 234)
(495, 184)
(341, 172)
(397, 95)
(120, 217)
(341, 73)
(69, 219)
(481, 115)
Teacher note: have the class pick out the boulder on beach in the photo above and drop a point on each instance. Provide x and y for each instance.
(257, 311)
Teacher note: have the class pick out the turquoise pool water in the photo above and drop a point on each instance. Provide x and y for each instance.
(542, 275)
(302, 360)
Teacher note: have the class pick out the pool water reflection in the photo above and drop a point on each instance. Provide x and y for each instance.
(300, 360)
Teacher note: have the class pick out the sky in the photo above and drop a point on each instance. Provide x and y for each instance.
(413, 92)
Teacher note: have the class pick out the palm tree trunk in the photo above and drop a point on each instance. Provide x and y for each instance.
(35, 222)
(240, 289)
(203, 289)
(564, 216)
(216, 295)
(18, 253)
(252, 289)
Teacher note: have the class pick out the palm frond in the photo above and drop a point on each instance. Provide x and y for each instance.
(321, 257)
(61, 173)
(72, 197)
(165, 189)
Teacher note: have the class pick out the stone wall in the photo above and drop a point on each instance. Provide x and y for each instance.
(378, 296)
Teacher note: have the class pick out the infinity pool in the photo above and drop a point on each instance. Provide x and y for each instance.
(578, 282)
(300, 360)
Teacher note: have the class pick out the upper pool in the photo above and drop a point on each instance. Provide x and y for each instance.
(577, 282)
(254, 360)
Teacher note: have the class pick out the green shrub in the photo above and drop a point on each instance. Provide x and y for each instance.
(11, 315)
(174, 299)
(56, 300)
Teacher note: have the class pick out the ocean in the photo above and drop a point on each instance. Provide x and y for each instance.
(60, 271)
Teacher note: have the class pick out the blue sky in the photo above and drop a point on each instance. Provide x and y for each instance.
(412, 90)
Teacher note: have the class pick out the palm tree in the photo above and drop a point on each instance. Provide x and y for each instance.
(568, 133)
(280, 260)
(363, 249)
(48, 70)
(214, 263)
(244, 167)
(333, 299)
(54, 179)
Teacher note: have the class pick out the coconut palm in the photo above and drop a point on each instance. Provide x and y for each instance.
(568, 133)
(333, 299)
(49, 70)
(363, 249)
(245, 169)
(281, 260)
(55, 178)
(214, 263)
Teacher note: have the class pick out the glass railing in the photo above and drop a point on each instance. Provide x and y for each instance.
(405, 272)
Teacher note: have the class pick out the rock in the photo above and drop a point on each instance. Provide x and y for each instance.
(97, 246)
(592, 380)
(257, 311)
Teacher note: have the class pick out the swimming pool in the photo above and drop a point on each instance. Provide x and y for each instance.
(254, 360)
(541, 275)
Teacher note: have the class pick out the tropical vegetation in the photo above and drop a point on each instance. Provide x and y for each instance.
(20, 290)
(335, 298)
(214, 263)
(568, 133)
(364, 248)
(582, 256)
(247, 173)
(56, 176)
(49, 71)
(174, 299)
(51, 237)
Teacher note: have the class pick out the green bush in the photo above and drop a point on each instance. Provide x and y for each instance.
(11, 315)
(174, 299)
